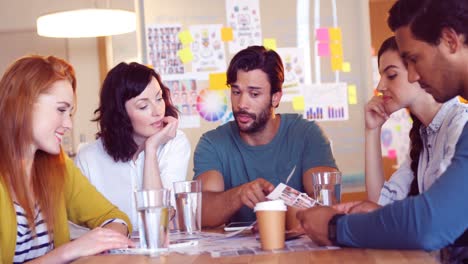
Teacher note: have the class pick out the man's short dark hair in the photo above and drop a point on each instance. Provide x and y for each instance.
(427, 18)
(258, 57)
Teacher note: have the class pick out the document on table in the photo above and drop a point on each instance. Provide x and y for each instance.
(291, 197)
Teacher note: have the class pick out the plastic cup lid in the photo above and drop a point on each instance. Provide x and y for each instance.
(275, 205)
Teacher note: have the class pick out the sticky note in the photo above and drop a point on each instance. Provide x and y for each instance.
(336, 49)
(269, 43)
(217, 81)
(336, 63)
(335, 34)
(398, 128)
(352, 94)
(346, 67)
(185, 37)
(322, 34)
(227, 34)
(323, 49)
(185, 55)
(392, 154)
(298, 103)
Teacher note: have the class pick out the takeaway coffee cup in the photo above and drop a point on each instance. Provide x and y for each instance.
(271, 218)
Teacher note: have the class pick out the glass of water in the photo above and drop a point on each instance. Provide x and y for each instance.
(153, 219)
(327, 187)
(188, 204)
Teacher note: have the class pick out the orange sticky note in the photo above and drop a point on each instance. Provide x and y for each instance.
(352, 94)
(346, 67)
(269, 43)
(335, 34)
(218, 81)
(185, 55)
(336, 49)
(298, 103)
(336, 63)
(185, 37)
(227, 34)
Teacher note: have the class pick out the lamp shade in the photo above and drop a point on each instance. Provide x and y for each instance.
(84, 23)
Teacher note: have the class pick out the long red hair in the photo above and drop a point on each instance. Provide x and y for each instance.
(20, 87)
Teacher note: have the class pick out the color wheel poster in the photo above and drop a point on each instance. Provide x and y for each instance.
(212, 105)
(184, 95)
(326, 102)
(208, 49)
(243, 16)
(162, 48)
(293, 61)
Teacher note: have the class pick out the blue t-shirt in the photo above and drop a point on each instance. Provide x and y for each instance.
(428, 221)
(298, 142)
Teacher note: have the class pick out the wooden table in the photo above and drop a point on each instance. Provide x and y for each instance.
(346, 255)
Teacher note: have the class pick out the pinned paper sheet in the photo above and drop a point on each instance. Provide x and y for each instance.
(337, 63)
(185, 37)
(323, 49)
(269, 43)
(335, 34)
(322, 34)
(352, 94)
(298, 103)
(346, 67)
(185, 55)
(218, 81)
(336, 49)
(227, 34)
(392, 154)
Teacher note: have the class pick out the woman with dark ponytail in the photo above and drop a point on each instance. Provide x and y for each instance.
(433, 136)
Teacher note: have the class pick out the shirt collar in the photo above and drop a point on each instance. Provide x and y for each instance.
(439, 118)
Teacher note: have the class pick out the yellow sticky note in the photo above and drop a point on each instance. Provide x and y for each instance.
(185, 37)
(398, 128)
(335, 34)
(218, 81)
(269, 43)
(227, 34)
(336, 63)
(336, 49)
(346, 67)
(298, 103)
(352, 94)
(185, 55)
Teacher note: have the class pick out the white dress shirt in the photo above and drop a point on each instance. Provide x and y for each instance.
(439, 140)
(117, 181)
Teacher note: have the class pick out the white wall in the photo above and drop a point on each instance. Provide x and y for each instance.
(18, 37)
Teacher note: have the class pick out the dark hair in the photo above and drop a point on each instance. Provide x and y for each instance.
(258, 57)
(416, 144)
(427, 18)
(122, 83)
(389, 44)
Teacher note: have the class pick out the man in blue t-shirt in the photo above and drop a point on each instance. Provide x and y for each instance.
(432, 37)
(241, 162)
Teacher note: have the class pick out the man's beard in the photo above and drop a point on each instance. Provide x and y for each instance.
(258, 124)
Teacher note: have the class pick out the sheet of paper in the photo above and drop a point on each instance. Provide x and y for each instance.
(163, 45)
(291, 196)
(208, 48)
(243, 16)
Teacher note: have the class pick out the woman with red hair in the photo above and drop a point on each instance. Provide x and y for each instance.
(40, 188)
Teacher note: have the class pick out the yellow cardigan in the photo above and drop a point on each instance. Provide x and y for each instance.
(81, 203)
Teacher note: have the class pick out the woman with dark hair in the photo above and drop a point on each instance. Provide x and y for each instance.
(435, 131)
(138, 145)
(40, 187)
